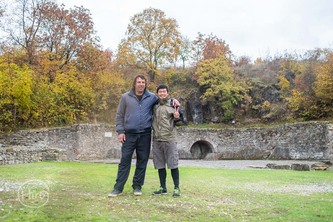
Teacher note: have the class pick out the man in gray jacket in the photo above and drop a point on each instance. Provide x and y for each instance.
(133, 125)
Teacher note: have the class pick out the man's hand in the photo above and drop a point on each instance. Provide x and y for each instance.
(176, 114)
(122, 137)
(175, 103)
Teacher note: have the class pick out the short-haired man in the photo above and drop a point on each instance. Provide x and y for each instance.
(165, 150)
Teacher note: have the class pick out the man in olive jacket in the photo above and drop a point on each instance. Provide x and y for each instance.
(165, 150)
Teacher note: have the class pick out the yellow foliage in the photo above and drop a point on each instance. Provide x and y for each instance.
(216, 77)
(324, 83)
(284, 85)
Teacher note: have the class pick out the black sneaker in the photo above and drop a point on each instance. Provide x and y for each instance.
(115, 193)
(160, 191)
(137, 192)
(176, 193)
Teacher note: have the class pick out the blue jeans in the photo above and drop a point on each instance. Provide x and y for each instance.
(141, 144)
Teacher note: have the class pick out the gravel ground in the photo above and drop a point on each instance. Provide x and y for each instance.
(227, 164)
(241, 164)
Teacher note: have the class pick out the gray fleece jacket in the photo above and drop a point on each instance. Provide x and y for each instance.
(134, 116)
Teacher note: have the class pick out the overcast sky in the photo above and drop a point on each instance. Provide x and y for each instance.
(254, 28)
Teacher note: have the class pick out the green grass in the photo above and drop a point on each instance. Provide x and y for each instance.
(78, 192)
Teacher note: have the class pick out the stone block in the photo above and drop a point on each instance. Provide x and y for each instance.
(10, 150)
(277, 167)
(49, 157)
(300, 167)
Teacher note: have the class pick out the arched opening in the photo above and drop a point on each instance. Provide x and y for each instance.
(200, 149)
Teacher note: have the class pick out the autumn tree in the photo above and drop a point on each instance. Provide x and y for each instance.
(64, 32)
(209, 47)
(53, 71)
(153, 38)
(217, 80)
(15, 96)
(43, 28)
(91, 60)
(289, 69)
(324, 86)
(243, 61)
(304, 100)
(23, 25)
(74, 96)
(305, 79)
(126, 61)
(198, 45)
(98, 66)
(214, 47)
(185, 50)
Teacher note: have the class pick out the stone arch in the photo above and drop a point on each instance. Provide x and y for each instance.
(200, 149)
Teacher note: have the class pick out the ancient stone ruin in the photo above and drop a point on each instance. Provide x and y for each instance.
(298, 141)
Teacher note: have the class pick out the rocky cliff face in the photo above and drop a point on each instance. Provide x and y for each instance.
(194, 109)
(199, 113)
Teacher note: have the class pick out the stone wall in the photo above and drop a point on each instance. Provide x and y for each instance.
(77, 142)
(299, 141)
(309, 140)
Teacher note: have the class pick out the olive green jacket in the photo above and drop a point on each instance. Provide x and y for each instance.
(163, 121)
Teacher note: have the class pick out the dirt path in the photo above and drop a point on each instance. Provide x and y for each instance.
(227, 164)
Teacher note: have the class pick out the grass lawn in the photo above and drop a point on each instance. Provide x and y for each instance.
(72, 191)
